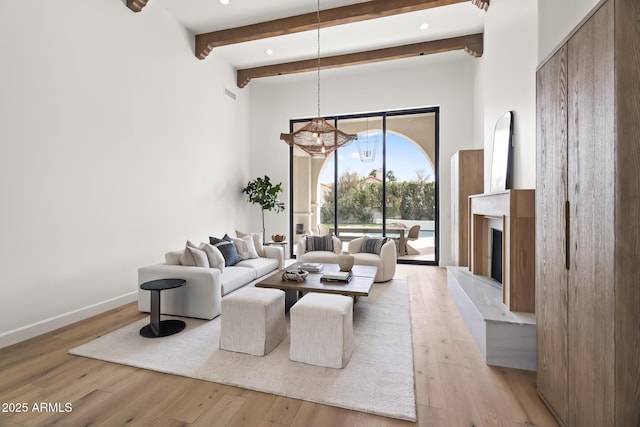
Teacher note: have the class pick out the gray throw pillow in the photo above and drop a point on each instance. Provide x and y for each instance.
(228, 249)
(320, 243)
(373, 245)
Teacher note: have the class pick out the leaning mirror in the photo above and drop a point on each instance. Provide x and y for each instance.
(502, 159)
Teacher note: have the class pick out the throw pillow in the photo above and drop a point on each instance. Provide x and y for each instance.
(173, 257)
(194, 257)
(228, 249)
(216, 259)
(373, 245)
(246, 248)
(320, 243)
(257, 241)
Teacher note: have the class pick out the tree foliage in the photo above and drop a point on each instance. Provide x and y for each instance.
(264, 193)
(360, 199)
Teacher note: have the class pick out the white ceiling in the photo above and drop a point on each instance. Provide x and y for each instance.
(201, 16)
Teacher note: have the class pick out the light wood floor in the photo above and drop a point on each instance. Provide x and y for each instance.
(453, 385)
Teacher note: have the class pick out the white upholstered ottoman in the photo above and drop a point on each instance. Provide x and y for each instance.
(252, 321)
(322, 330)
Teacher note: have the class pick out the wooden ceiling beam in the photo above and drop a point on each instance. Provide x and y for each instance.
(473, 44)
(136, 5)
(206, 42)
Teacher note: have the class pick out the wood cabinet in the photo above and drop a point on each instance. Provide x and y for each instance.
(467, 178)
(588, 222)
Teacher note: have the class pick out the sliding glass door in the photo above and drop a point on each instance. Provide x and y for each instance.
(383, 184)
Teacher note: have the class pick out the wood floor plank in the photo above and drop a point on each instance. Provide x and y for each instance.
(197, 398)
(282, 411)
(222, 412)
(522, 386)
(453, 385)
(433, 417)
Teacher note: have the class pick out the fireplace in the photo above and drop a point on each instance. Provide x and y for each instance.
(512, 213)
(496, 255)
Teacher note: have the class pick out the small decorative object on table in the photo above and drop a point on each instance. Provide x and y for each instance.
(312, 267)
(345, 261)
(278, 237)
(295, 274)
(338, 276)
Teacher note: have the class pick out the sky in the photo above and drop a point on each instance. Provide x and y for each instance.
(404, 158)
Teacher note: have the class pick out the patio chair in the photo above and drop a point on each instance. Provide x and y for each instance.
(412, 235)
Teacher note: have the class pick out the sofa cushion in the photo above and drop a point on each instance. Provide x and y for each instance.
(323, 257)
(246, 248)
(262, 266)
(228, 249)
(193, 256)
(372, 245)
(365, 258)
(216, 259)
(235, 277)
(257, 241)
(320, 243)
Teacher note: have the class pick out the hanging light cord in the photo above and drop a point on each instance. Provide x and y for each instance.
(318, 16)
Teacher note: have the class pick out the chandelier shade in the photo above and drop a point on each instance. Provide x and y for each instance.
(318, 137)
(367, 148)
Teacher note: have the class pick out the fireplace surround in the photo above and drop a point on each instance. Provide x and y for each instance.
(512, 212)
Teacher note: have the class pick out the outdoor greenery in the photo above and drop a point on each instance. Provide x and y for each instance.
(361, 199)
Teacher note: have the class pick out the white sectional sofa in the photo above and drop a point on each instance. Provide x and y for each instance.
(202, 294)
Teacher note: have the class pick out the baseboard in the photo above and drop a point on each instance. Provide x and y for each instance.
(53, 323)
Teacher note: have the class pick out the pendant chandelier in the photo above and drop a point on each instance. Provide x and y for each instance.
(367, 146)
(318, 137)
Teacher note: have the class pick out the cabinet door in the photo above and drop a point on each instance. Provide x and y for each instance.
(551, 195)
(591, 194)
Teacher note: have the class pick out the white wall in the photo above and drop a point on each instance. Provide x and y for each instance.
(116, 145)
(557, 19)
(418, 82)
(507, 75)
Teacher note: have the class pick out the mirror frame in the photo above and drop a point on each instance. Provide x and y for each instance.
(502, 155)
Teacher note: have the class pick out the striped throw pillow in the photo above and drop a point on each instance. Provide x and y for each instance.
(320, 243)
(373, 245)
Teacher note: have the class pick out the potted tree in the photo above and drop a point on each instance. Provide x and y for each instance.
(262, 192)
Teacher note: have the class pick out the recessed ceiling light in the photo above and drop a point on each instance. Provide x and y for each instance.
(224, 1)
(269, 51)
(424, 26)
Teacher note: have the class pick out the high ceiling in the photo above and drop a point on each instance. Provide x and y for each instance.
(205, 16)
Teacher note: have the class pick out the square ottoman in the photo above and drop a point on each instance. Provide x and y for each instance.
(252, 321)
(322, 330)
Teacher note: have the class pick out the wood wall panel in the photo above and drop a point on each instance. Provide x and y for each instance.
(467, 178)
(591, 168)
(627, 218)
(551, 194)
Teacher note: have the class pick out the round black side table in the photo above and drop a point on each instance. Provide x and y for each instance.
(161, 328)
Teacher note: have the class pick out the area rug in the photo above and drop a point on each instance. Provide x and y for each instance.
(378, 379)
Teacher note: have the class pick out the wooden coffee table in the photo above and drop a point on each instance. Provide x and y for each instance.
(359, 285)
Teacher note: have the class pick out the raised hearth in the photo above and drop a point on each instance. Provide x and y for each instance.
(504, 338)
